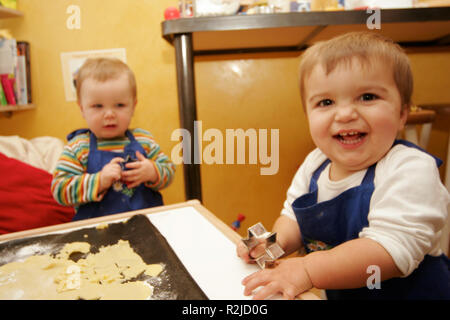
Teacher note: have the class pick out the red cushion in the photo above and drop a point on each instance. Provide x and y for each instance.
(26, 201)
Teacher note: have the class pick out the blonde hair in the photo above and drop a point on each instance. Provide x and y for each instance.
(103, 69)
(369, 48)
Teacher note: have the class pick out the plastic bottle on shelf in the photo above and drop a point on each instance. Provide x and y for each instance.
(324, 5)
(186, 8)
(279, 5)
(300, 5)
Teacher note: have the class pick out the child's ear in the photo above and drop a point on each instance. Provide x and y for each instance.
(404, 116)
(80, 106)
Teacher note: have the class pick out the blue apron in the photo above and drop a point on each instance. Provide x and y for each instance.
(327, 224)
(118, 197)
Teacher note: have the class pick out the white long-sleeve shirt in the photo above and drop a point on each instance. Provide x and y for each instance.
(408, 208)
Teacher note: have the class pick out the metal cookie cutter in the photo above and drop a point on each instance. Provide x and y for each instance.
(128, 159)
(272, 251)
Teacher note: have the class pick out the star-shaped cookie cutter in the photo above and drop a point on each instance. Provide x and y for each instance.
(272, 249)
(128, 159)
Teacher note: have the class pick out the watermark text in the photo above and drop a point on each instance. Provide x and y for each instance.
(229, 149)
(374, 280)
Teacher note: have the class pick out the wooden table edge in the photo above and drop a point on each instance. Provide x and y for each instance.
(216, 222)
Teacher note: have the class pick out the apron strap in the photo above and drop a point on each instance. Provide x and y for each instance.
(92, 142)
(133, 146)
(316, 174)
(130, 135)
(439, 162)
(370, 174)
(75, 133)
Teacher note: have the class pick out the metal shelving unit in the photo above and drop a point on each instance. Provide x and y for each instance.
(277, 33)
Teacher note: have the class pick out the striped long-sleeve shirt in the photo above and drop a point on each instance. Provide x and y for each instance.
(73, 186)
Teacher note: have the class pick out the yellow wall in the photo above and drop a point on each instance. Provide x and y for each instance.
(233, 92)
(261, 92)
(104, 25)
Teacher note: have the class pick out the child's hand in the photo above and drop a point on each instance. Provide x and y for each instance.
(110, 173)
(247, 256)
(289, 278)
(140, 171)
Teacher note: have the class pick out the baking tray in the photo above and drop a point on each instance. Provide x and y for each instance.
(174, 282)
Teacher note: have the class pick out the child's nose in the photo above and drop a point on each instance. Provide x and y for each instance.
(109, 113)
(346, 113)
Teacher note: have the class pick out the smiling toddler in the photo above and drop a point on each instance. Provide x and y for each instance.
(363, 204)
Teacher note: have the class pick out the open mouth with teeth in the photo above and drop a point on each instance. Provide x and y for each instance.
(350, 137)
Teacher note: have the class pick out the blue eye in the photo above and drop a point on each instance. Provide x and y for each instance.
(325, 103)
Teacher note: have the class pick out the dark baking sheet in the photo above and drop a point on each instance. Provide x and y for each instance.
(174, 282)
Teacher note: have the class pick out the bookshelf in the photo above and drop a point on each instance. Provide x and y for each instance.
(6, 13)
(9, 13)
(8, 107)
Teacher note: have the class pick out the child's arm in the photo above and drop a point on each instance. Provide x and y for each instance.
(72, 186)
(346, 265)
(141, 171)
(286, 226)
(288, 234)
(156, 171)
(156, 174)
(165, 169)
(343, 267)
(109, 174)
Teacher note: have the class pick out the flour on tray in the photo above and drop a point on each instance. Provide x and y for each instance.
(115, 272)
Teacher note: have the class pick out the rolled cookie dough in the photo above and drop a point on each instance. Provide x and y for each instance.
(109, 274)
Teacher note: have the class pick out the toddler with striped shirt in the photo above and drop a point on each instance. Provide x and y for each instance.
(109, 168)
